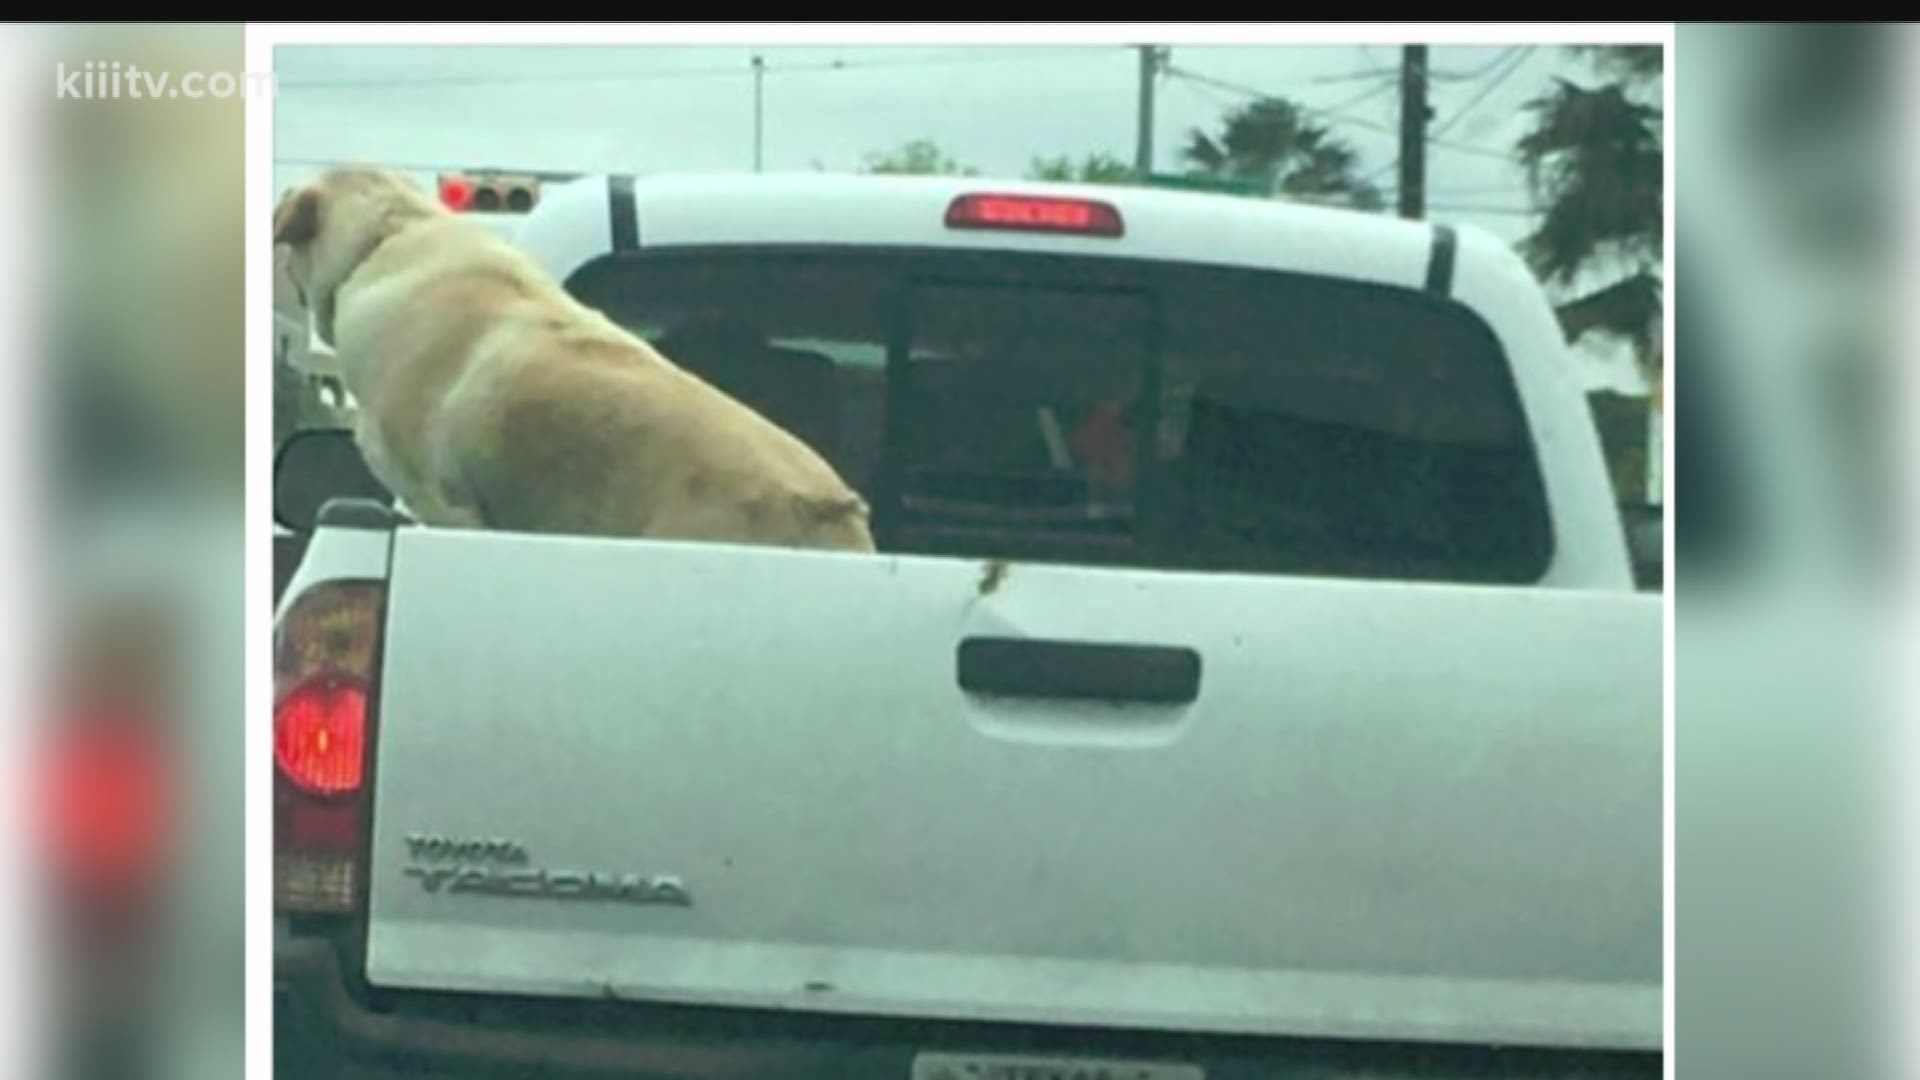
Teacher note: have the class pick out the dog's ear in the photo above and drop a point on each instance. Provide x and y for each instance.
(298, 218)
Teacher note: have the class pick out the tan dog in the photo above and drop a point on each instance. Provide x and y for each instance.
(489, 397)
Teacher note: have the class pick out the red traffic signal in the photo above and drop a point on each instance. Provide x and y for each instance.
(488, 192)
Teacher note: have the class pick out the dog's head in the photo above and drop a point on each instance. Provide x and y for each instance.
(330, 224)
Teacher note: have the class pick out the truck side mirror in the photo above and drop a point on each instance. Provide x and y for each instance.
(315, 467)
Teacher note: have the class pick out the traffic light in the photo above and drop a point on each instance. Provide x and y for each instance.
(489, 192)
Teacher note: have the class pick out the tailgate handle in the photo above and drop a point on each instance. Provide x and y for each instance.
(1079, 670)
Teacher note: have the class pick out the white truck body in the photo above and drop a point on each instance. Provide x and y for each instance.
(1422, 811)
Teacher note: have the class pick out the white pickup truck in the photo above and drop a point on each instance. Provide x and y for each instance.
(1250, 681)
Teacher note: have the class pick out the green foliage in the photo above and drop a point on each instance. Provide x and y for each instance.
(919, 157)
(1096, 168)
(1271, 142)
(1594, 159)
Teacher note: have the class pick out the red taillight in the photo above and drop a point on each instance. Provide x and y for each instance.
(1035, 213)
(324, 666)
(456, 192)
(319, 734)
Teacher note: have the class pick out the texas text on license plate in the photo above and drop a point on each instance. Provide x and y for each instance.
(941, 1066)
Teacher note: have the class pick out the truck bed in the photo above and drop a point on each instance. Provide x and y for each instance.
(714, 775)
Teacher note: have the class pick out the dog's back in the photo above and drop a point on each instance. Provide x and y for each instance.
(585, 430)
(536, 413)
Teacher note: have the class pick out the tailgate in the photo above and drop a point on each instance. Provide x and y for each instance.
(740, 776)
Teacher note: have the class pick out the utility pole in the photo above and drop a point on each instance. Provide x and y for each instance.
(1151, 57)
(1413, 131)
(759, 99)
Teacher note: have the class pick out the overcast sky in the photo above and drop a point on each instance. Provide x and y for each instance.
(671, 108)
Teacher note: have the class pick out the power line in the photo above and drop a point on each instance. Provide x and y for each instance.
(1433, 75)
(1485, 69)
(390, 83)
(1253, 92)
(1356, 76)
(1515, 57)
(1028, 54)
(1204, 93)
(1471, 150)
(1519, 60)
(1328, 114)
(1360, 99)
(970, 55)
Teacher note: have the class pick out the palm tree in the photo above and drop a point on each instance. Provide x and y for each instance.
(1594, 161)
(1097, 168)
(1270, 141)
(1636, 62)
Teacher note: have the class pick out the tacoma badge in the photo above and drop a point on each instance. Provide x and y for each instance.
(497, 867)
(553, 884)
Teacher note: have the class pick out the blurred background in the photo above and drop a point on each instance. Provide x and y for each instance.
(138, 765)
(1790, 193)
(1787, 187)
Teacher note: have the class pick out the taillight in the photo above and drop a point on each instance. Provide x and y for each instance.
(319, 734)
(1035, 213)
(325, 651)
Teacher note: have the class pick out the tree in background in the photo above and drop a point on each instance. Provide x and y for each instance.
(920, 157)
(1593, 158)
(1095, 168)
(1271, 142)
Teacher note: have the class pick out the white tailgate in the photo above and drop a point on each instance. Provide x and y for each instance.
(1392, 811)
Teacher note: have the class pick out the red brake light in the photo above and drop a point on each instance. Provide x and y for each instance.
(456, 192)
(1035, 213)
(324, 668)
(319, 731)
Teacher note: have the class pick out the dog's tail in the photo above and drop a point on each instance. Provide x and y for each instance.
(842, 521)
(847, 505)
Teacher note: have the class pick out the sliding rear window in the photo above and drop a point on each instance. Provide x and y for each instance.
(1116, 412)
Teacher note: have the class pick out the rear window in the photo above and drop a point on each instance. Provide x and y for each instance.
(1104, 411)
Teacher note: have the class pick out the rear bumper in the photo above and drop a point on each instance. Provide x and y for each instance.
(321, 1030)
(324, 1029)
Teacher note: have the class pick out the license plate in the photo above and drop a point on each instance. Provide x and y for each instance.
(942, 1066)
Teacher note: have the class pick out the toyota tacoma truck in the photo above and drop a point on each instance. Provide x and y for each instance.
(1250, 680)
